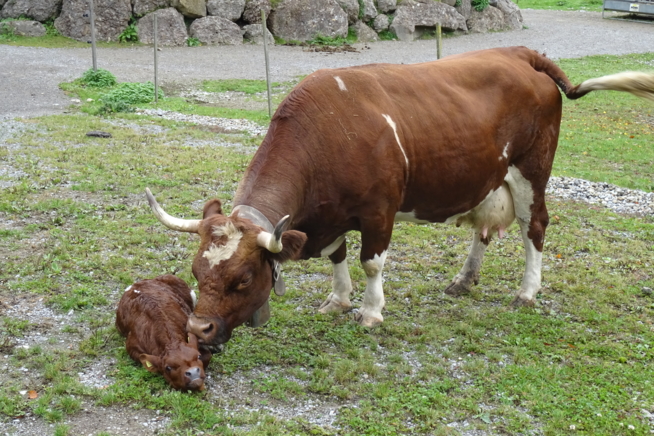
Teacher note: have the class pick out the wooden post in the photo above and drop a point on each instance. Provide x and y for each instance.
(265, 51)
(439, 41)
(92, 16)
(156, 59)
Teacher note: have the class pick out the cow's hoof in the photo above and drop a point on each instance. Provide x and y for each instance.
(523, 302)
(368, 320)
(456, 289)
(331, 305)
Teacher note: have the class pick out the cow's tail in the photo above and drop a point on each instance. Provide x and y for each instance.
(637, 83)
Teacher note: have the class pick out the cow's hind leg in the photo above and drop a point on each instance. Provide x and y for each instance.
(339, 299)
(469, 274)
(531, 214)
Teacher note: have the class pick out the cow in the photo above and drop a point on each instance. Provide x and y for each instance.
(152, 315)
(469, 138)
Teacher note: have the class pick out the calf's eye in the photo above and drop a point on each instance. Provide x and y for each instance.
(168, 368)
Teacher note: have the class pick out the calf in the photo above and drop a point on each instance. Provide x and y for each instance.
(152, 315)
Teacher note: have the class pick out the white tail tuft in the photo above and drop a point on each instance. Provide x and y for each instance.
(634, 82)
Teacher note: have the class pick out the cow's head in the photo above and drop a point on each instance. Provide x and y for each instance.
(233, 267)
(182, 364)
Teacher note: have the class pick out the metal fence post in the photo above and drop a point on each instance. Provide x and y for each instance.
(92, 15)
(156, 59)
(265, 51)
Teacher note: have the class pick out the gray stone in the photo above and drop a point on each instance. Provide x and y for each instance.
(254, 34)
(2, 3)
(228, 9)
(364, 33)
(216, 30)
(170, 26)
(142, 7)
(351, 8)
(490, 19)
(369, 11)
(412, 15)
(301, 20)
(385, 6)
(380, 23)
(253, 8)
(512, 16)
(111, 19)
(465, 8)
(25, 28)
(449, 2)
(191, 8)
(39, 10)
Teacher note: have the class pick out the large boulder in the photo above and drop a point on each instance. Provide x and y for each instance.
(512, 16)
(409, 15)
(111, 19)
(489, 20)
(351, 8)
(171, 30)
(368, 11)
(301, 20)
(228, 9)
(25, 28)
(385, 6)
(216, 30)
(381, 22)
(253, 33)
(39, 10)
(465, 8)
(364, 33)
(191, 8)
(142, 7)
(2, 3)
(253, 8)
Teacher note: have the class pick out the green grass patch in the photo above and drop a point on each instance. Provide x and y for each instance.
(561, 5)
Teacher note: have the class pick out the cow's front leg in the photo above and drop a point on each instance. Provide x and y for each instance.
(339, 299)
(373, 256)
(469, 274)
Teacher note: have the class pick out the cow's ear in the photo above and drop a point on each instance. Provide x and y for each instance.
(212, 207)
(205, 357)
(292, 243)
(151, 363)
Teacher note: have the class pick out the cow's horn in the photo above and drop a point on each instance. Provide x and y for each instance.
(273, 241)
(173, 223)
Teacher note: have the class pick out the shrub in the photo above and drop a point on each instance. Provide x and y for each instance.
(98, 79)
(127, 94)
(479, 5)
(130, 34)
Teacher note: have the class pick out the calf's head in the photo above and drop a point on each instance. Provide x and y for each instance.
(182, 364)
(232, 267)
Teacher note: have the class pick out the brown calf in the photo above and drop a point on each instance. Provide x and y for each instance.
(152, 315)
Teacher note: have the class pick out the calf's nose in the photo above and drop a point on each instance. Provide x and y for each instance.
(193, 373)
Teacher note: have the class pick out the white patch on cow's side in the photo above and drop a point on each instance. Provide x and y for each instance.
(505, 155)
(523, 193)
(331, 248)
(217, 253)
(136, 291)
(373, 298)
(127, 289)
(455, 218)
(342, 284)
(409, 217)
(341, 84)
(194, 298)
(391, 123)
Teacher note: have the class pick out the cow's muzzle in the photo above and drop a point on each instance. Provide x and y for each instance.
(210, 331)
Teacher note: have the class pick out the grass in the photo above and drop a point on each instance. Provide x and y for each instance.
(561, 5)
(438, 365)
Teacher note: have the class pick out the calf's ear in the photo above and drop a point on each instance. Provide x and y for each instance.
(151, 363)
(292, 243)
(205, 357)
(212, 207)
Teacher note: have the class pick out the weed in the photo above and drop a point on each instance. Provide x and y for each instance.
(193, 42)
(125, 95)
(98, 78)
(479, 5)
(130, 34)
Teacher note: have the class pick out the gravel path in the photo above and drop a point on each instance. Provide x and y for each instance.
(29, 77)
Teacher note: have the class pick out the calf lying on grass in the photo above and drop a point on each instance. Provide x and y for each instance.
(152, 315)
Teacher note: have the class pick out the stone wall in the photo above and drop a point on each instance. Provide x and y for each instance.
(238, 21)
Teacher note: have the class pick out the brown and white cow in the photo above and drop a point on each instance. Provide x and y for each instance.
(468, 138)
(152, 315)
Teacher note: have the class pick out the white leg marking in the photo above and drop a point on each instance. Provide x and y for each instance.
(341, 84)
(391, 123)
(373, 299)
(469, 273)
(331, 248)
(523, 194)
(339, 299)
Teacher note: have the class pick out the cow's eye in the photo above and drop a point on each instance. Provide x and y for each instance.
(199, 356)
(246, 281)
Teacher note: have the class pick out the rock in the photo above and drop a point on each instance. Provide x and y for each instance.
(351, 8)
(385, 6)
(364, 33)
(171, 28)
(369, 11)
(228, 9)
(490, 19)
(449, 2)
(216, 30)
(253, 8)
(191, 8)
(39, 10)
(465, 8)
(98, 134)
(142, 7)
(301, 20)
(647, 291)
(254, 34)
(408, 15)
(512, 16)
(111, 19)
(26, 28)
(381, 22)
